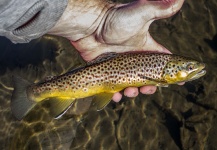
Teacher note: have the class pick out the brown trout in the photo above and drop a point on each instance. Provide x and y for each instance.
(102, 78)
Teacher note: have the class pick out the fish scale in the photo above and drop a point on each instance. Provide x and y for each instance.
(110, 74)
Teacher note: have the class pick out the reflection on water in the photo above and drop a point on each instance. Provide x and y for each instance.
(178, 117)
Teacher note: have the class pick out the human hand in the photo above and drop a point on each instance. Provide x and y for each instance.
(96, 26)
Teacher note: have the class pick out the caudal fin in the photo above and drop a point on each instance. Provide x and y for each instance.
(20, 104)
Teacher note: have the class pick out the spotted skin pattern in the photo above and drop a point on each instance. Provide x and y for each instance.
(112, 75)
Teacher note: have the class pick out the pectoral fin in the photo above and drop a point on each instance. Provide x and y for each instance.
(101, 100)
(59, 106)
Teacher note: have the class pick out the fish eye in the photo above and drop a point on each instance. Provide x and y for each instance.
(190, 67)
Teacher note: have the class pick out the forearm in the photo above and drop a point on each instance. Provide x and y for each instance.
(24, 20)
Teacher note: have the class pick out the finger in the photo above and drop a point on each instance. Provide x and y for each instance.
(164, 8)
(149, 9)
(182, 83)
(148, 89)
(117, 97)
(131, 92)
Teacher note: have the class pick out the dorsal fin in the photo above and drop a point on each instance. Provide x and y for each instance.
(100, 58)
(73, 70)
(47, 78)
(103, 57)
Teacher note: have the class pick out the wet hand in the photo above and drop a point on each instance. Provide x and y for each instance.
(95, 27)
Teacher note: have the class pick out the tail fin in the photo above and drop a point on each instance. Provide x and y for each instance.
(20, 104)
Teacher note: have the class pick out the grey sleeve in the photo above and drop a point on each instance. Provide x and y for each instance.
(24, 20)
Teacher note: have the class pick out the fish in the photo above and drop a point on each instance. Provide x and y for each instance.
(101, 78)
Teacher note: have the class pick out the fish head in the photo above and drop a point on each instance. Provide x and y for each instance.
(181, 69)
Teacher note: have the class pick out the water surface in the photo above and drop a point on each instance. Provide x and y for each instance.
(177, 117)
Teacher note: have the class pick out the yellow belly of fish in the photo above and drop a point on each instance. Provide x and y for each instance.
(89, 91)
(69, 94)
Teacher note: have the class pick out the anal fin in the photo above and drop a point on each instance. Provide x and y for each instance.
(101, 100)
(60, 105)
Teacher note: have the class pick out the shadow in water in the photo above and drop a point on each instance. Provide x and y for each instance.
(173, 125)
(22, 55)
(212, 43)
(195, 93)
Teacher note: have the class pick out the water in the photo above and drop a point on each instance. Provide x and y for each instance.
(177, 117)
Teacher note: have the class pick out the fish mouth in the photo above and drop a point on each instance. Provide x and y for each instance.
(201, 73)
(198, 73)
